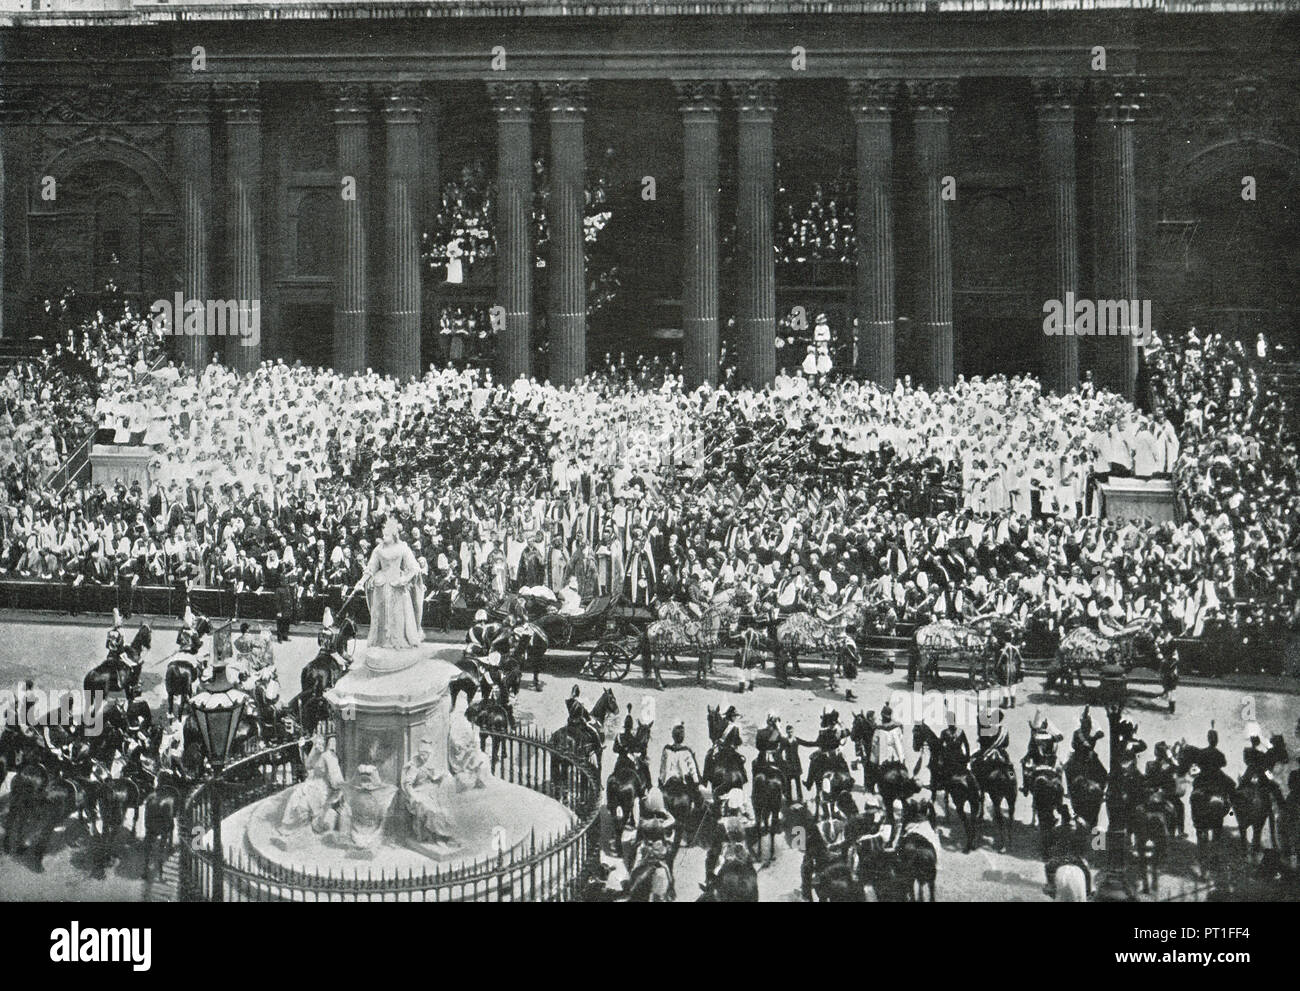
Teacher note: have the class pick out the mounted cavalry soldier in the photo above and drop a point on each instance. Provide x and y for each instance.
(678, 760)
(729, 738)
(768, 743)
(1083, 748)
(887, 744)
(581, 726)
(732, 835)
(954, 748)
(632, 743)
(485, 636)
(654, 834)
(827, 757)
(992, 737)
(1041, 755)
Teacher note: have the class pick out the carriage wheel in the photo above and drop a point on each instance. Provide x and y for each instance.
(609, 662)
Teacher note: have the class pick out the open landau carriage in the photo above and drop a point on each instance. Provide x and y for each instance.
(611, 625)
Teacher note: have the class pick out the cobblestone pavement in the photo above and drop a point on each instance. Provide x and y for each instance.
(57, 657)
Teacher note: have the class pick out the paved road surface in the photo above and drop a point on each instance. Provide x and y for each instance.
(57, 657)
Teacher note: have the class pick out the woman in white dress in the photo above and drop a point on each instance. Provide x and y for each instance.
(394, 592)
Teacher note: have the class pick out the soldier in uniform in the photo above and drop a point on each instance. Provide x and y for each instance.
(485, 636)
(1041, 755)
(768, 743)
(632, 745)
(827, 745)
(678, 760)
(1255, 756)
(1162, 775)
(954, 748)
(732, 834)
(654, 833)
(1083, 747)
(788, 755)
(992, 737)
(580, 724)
(729, 739)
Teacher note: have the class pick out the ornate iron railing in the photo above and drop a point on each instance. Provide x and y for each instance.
(540, 869)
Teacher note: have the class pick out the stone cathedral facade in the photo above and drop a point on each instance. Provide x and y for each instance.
(997, 156)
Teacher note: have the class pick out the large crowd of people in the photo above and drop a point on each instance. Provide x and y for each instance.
(951, 503)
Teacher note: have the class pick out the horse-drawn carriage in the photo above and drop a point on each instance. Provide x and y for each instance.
(612, 626)
(986, 646)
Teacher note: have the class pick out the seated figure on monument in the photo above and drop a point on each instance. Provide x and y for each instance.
(394, 592)
(431, 783)
(315, 802)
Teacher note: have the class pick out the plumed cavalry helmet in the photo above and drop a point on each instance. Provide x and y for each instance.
(325, 639)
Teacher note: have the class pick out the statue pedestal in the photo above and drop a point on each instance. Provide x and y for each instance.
(387, 701)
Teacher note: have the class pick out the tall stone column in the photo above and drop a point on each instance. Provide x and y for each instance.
(932, 101)
(700, 115)
(873, 102)
(243, 230)
(567, 307)
(193, 141)
(1055, 100)
(514, 210)
(1116, 198)
(401, 112)
(351, 286)
(756, 247)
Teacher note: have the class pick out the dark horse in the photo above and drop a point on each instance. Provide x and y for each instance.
(583, 746)
(825, 870)
(113, 674)
(864, 728)
(1086, 779)
(997, 780)
(41, 798)
(625, 786)
(1253, 802)
(957, 783)
(724, 769)
(734, 881)
(183, 671)
(768, 795)
(324, 670)
(1209, 803)
(493, 720)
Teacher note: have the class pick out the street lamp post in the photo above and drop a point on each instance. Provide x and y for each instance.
(217, 708)
(1113, 884)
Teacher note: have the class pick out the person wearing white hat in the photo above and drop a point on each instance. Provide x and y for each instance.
(654, 833)
(485, 636)
(732, 835)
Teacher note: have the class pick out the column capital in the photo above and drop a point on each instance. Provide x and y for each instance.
(512, 99)
(755, 98)
(932, 97)
(239, 101)
(351, 102)
(1056, 96)
(1119, 99)
(702, 97)
(873, 99)
(191, 102)
(566, 97)
(402, 103)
